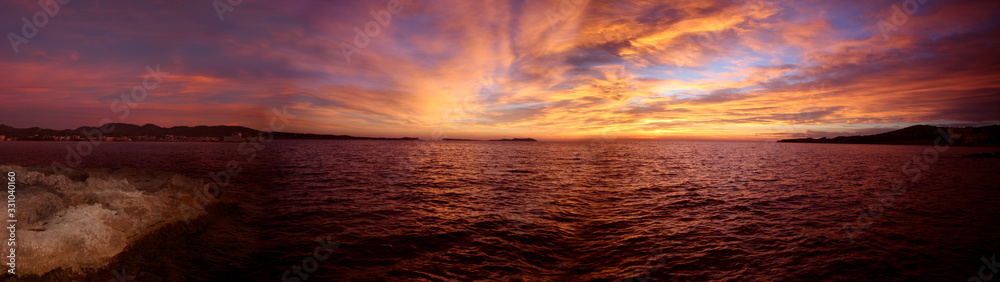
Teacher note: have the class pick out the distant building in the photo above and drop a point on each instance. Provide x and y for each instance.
(234, 138)
(957, 133)
(966, 135)
(3, 138)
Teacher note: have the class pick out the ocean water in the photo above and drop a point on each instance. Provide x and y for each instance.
(563, 211)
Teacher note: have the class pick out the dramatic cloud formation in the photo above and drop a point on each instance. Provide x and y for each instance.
(560, 69)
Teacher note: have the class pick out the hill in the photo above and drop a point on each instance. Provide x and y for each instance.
(517, 139)
(918, 135)
(158, 133)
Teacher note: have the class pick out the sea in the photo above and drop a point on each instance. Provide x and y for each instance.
(622, 210)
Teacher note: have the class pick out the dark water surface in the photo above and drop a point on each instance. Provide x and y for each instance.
(564, 211)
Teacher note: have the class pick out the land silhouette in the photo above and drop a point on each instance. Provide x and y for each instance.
(152, 132)
(919, 135)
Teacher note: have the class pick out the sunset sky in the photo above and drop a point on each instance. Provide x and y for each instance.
(499, 69)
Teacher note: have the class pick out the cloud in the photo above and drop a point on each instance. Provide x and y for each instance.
(649, 69)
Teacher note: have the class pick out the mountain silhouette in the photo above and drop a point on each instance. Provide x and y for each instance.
(918, 135)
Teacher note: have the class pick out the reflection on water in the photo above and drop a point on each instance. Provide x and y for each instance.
(668, 210)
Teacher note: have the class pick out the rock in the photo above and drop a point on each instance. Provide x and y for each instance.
(33, 207)
(78, 237)
(83, 220)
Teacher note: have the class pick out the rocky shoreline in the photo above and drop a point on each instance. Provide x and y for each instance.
(80, 221)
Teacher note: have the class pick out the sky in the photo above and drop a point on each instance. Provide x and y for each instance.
(550, 70)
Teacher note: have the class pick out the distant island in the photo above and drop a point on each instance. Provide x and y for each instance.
(151, 132)
(517, 139)
(919, 135)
